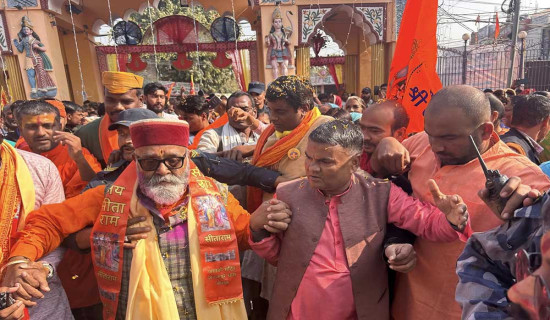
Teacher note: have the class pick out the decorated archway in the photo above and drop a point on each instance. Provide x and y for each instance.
(181, 35)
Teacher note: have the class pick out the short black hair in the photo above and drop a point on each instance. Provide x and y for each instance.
(296, 91)
(496, 104)
(339, 133)
(502, 96)
(153, 87)
(488, 90)
(323, 96)
(238, 94)
(194, 104)
(383, 85)
(530, 110)
(72, 107)
(400, 117)
(34, 108)
(15, 105)
(339, 114)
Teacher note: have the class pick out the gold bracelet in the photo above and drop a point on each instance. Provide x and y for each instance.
(10, 263)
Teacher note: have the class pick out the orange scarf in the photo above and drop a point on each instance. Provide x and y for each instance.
(108, 140)
(276, 152)
(16, 196)
(210, 228)
(216, 124)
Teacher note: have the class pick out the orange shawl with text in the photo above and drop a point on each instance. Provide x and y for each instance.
(276, 152)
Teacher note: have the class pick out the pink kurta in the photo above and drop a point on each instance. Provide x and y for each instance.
(327, 282)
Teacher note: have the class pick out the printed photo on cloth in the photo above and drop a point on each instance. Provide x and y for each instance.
(223, 256)
(212, 214)
(106, 250)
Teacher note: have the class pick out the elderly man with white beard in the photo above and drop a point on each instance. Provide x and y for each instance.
(187, 265)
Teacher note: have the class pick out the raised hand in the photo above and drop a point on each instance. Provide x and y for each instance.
(452, 206)
(401, 257)
(72, 141)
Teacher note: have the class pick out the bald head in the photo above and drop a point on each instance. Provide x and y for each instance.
(392, 111)
(473, 103)
(453, 115)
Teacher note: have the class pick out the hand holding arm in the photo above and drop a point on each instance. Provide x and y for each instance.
(401, 257)
(390, 158)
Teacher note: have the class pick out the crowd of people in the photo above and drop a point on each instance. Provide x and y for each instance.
(273, 203)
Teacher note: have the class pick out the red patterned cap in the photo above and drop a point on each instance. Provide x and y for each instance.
(154, 132)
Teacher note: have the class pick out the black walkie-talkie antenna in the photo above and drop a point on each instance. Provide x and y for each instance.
(485, 170)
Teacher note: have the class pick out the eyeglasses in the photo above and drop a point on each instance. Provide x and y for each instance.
(527, 263)
(153, 164)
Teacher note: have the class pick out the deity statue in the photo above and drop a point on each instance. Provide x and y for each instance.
(278, 41)
(37, 62)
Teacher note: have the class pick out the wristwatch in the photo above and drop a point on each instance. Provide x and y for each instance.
(50, 269)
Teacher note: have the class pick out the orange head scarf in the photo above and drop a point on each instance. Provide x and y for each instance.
(117, 82)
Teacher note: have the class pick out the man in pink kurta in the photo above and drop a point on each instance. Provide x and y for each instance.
(327, 289)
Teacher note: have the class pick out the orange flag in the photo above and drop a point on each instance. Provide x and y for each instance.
(413, 79)
(497, 27)
(170, 91)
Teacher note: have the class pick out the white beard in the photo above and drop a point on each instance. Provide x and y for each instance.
(168, 193)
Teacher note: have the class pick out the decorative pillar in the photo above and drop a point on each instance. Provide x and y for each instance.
(378, 64)
(303, 62)
(350, 74)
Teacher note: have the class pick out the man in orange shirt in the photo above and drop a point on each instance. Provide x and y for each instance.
(40, 127)
(123, 90)
(444, 153)
(172, 198)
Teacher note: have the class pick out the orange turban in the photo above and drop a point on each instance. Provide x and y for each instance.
(121, 82)
(60, 106)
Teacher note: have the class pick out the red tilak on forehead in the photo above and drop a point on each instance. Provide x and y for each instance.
(39, 119)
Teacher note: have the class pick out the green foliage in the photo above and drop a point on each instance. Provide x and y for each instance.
(210, 78)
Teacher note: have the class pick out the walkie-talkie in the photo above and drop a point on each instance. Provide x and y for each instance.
(494, 183)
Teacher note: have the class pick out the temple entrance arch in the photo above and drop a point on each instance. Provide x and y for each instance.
(360, 30)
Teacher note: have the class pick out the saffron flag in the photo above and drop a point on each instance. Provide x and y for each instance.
(170, 88)
(192, 89)
(3, 98)
(497, 27)
(413, 79)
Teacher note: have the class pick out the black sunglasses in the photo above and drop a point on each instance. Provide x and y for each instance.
(153, 164)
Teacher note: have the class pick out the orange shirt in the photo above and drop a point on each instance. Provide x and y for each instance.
(68, 169)
(428, 292)
(49, 225)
